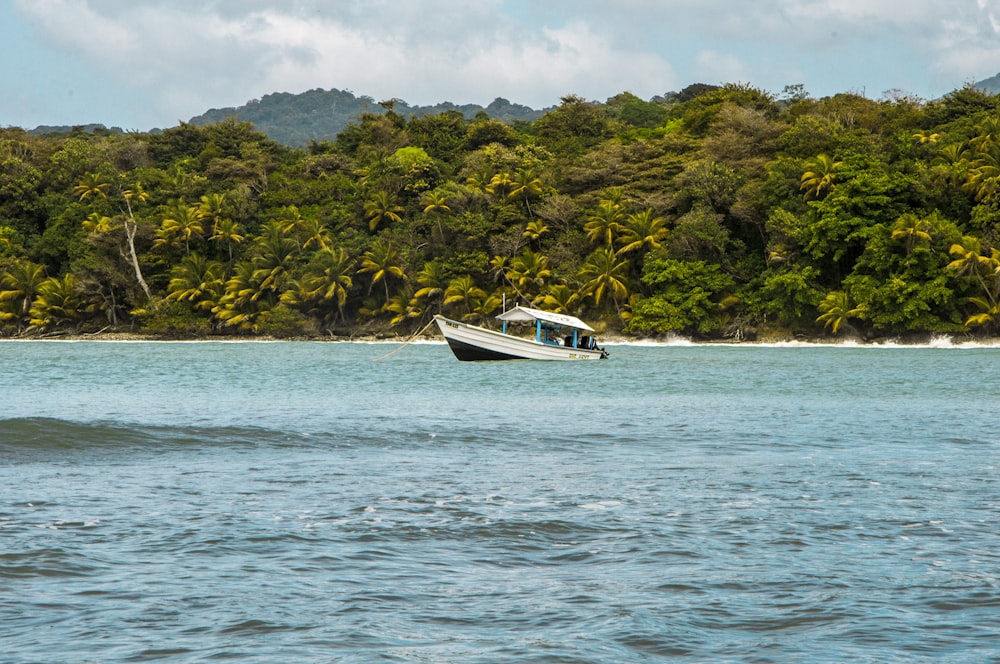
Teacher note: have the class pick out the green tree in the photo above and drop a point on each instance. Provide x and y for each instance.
(688, 296)
(228, 231)
(643, 231)
(604, 224)
(836, 310)
(969, 262)
(988, 316)
(602, 273)
(381, 208)
(19, 285)
(275, 257)
(196, 280)
(92, 186)
(528, 273)
(244, 299)
(820, 176)
(328, 278)
(525, 184)
(433, 280)
(464, 291)
(57, 303)
(181, 223)
(911, 229)
(562, 299)
(383, 261)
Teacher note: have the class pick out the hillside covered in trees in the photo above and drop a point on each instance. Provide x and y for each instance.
(297, 120)
(716, 213)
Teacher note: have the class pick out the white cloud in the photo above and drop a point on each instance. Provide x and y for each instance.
(186, 56)
(716, 68)
(192, 56)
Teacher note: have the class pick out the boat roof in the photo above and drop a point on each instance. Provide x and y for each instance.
(527, 314)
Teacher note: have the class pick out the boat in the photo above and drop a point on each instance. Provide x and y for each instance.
(555, 337)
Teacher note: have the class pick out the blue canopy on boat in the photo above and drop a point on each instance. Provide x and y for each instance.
(528, 315)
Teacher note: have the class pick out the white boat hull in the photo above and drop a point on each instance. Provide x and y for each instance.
(470, 342)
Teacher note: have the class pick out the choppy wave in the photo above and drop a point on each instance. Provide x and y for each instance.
(41, 435)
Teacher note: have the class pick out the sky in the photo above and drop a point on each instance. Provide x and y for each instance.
(144, 64)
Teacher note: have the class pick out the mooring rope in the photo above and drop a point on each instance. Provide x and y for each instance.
(408, 342)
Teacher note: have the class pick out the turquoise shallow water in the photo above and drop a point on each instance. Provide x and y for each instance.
(299, 502)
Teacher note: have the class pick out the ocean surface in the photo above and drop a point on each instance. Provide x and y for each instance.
(301, 502)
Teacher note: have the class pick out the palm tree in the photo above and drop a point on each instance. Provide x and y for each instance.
(432, 279)
(315, 232)
(463, 290)
(196, 280)
(926, 137)
(950, 153)
(483, 307)
(381, 208)
(382, 261)
(58, 302)
(970, 263)
(19, 284)
(98, 223)
(535, 229)
(643, 230)
(819, 177)
(602, 273)
(328, 277)
(983, 178)
(525, 185)
(988, 136)
(528, 273)
(290, 221)
(989, 313)
(912, 230)
(500, 185)
(239, 305)
(180, 223)
(616, 197)
(92, 186)
(604, 223)
(950, 164)
(480, 181)
(561, 299)
(228, 231)
(275, 255)
(435, 204)
(212, 206)
(403, 305)
(835, 310)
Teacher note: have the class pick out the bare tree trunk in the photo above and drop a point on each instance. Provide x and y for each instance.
(131, 226)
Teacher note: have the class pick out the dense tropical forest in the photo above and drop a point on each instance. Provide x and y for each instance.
(716, 212)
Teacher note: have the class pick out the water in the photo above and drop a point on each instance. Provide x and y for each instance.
(266, 502)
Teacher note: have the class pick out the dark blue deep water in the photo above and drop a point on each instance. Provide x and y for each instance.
(271, 502)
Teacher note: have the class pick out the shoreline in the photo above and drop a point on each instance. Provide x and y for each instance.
(776, 341)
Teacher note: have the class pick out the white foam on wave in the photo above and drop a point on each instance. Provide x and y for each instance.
(602, 505)
(940, 342)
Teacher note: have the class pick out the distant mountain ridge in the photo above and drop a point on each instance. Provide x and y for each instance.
(318, 115)
(990, 85)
